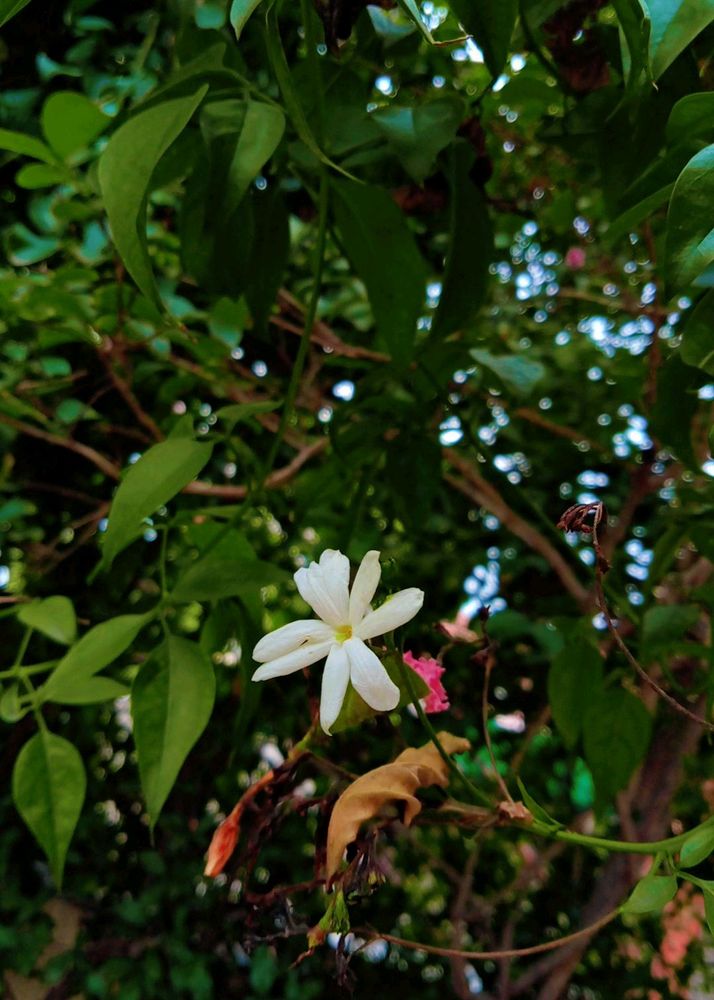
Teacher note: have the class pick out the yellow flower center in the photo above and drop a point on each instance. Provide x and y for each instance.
(343, 633)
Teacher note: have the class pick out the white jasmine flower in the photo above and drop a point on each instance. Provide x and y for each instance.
(345, 620)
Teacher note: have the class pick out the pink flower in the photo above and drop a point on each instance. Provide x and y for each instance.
(575, 258)
(430, 671)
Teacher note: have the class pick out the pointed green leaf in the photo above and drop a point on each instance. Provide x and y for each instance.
(470, 248)
(240, 12)
(690, 233)
(575, 681)
(418, 134)
(537, 811)
(159, 475)
(697, 847)
(53, 616)
(172, 698)
(260, 134)
(86, 691)
(8, 9)
(691, 116)
(516, 371)
(125, 171)
(95, 650)
(48, 787)
(491, 22)
(383, 251)
(698, 335)
(616, 733)
(651, 894)
(675, 23)
(215, 577)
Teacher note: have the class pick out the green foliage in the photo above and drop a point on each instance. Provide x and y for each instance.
(48, 786)
(172, 698)
(380, 286)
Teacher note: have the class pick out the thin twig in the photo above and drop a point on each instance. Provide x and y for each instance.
(535, 949)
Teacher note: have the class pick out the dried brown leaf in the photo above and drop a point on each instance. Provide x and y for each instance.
(417, 767)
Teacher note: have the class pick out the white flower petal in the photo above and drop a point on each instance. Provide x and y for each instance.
(289, 637)
(311, 652)
(334, 686)
(364, 587)
(324, 586)
(369, 678)
(395, 612)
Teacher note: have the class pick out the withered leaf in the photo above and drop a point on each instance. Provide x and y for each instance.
(417, 767)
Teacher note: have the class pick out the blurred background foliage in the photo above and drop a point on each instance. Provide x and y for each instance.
(514, 315)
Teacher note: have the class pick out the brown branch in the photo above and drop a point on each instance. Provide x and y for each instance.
(274, 481)
(477, 489)
(536, 418)
(322, 334)
(105, 353)
(535, 949)
(96, 458)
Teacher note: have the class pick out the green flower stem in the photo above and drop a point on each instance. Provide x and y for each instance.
(310, 314)
(22, 649)
(473, 791)
(21, 674)
(668, 846)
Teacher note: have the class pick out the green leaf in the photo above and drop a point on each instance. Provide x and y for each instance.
(675, 23)
(677, 385)
(215, 576)
(616, 734)
(698, 335)
(125, 171)
(48, 787)
(418, 134)
(383, 251)
(259, 136)
(291, 100)
(413, 12)
(25, 145)
(697, 847)
(651, 894)
(53, 616)
(664, 625)
(159, 475)
(237, 412)
(690, 234)
(172, 698)
(537, 811)
(470, 248)
(38, 175)
(638, 213)
(88, 691)
(240, 12)
(708, 890)
(491, 22)
(575, 681)
(70, 122)
(97, 648)
(635, 24)
(269, 254)
(11, 709)
(355, 710)
(516, 372)
(692, 116)
(8, 9)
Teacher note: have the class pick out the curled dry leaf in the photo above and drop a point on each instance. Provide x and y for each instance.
(417, 767)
